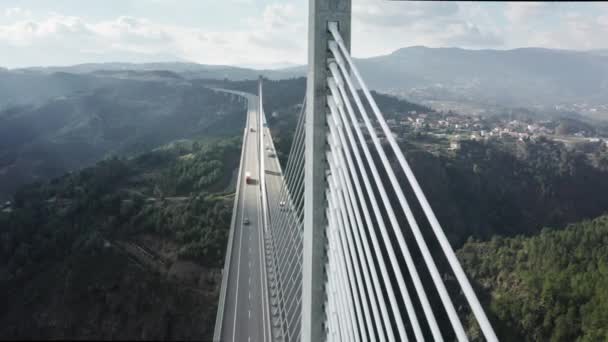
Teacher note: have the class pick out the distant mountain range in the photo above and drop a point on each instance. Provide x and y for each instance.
(519, 77)
(186, 69)
(600, 52)
(514, 78)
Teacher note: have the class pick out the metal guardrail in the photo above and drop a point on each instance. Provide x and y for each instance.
(264, 200)
(266, 130)
(280, 173)
(226, 271)
(282, 314)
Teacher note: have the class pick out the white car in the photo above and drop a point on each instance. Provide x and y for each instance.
(246, 221)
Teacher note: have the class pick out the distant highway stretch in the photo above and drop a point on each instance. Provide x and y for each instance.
(245, 316)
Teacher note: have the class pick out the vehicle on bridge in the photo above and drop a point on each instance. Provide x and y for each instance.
(248, 178)
(252, 130)
(246, 221)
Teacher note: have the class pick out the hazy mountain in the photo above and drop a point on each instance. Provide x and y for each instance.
(89, 110)
(91, 67)
(29, 87)
(32, 55)
(75, 120)
(516, 78)
(270, 66)
(599, 52)
(131, 249)
(99, 255)
(519, 77)
(186, 69)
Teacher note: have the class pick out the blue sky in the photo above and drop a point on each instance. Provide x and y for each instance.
(273, 32)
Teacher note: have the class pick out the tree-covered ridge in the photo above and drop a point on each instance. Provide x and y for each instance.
(549, 287)
(125, 117)
(118, 197)
(166, 213)
(481, 189)
(501, 188)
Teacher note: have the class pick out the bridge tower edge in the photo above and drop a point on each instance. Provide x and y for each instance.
(321, 12)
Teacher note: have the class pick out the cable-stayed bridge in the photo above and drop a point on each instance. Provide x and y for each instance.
(319, 251)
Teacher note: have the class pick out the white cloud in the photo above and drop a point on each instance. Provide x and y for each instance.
(279, 16)
(134, 34)
(28, 32)
(575, 32)
(376, 13)
(17, 12)
(277, 32)
(381, 27)
(523, 12)
(578, 26)
(76, 37)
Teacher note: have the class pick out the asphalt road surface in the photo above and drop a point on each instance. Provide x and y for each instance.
(246, 307)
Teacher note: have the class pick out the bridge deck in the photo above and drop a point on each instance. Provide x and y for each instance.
(245, 312)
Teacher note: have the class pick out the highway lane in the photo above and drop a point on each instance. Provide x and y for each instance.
(246, 307)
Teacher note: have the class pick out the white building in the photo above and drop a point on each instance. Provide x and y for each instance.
(455, 144)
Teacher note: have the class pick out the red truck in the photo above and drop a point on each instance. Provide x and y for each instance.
(248, 178)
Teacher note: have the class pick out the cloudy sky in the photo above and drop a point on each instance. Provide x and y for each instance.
(266, 33)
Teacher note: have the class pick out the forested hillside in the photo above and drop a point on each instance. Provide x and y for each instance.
(131, 247)
(107, 116)
(495, 188)
(537, 284)
(483, 188)
(549, 287)
(127, 249)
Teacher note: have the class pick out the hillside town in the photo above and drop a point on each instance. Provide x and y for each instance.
(455, 128)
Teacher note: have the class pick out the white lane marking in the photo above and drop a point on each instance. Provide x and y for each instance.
(238, 274)
(249, 311)
(238, 269)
